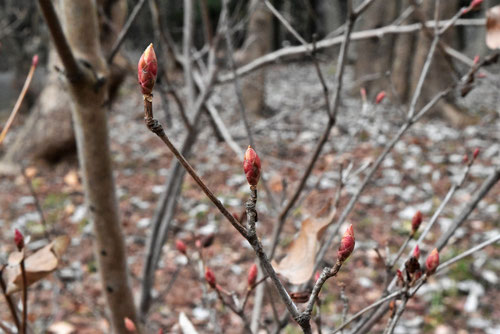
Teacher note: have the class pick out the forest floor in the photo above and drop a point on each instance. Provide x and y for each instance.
(416, 175)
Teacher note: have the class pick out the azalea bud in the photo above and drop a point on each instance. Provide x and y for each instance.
(416, 252)
(316, 276)
(475, 154)
(465, 159)
(416, 221)
(251, 166)
(399, 273)
(432, 261)
(18, 239)
(181, 246)
(252, 275)
(129, 325)
(362, 91)
(346, 245)
(34, 61)
(380, 97)
(146, 70)
(210, 277)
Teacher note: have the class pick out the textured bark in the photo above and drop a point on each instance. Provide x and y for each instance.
(257, 43)
(88, 93)
(48, 132)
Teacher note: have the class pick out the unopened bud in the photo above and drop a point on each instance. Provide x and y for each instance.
(34, 61)
(380, 97)
(475, 154)
(210, 278)
(251, 166)
(416, 221)
(316, 276)
(412, 265)
(476, 59)
(362, 91)
(473, 5)
(18, 239)
(416, 252)
(399, 273)
(181, 246)
(432, 261)
(147, 69)
(346, 245)
(129, 325)
(252, 275)
(465, 159)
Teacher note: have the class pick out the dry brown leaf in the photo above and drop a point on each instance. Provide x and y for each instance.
(493, 27)
(298, 264)
(37, 265)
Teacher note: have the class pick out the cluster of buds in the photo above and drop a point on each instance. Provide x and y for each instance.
(251, 166)
(465, 159)
(146, 70)
(346, 245)
(416, 221)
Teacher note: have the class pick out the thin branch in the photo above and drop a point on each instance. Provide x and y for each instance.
(285, 23)
(186, 50)
(24, 323)
(19, 101)
(10, 303)
(38, 206)
(72, 70)
(126, 28)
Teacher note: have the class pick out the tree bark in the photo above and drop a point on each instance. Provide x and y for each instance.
(88, 91)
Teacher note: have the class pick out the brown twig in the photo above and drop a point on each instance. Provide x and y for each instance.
(38, 206)
(10, 303)
(126, 28)
(24, 323)
(19, 102)
(71, 67)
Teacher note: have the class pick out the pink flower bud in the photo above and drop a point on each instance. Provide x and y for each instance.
(146, 70)
(251, 166)
(197, 243)
(346, 245)
(210, 277)
(432, 261)
(416, 252)
(476, 59)
(362, 91)
(129, 325)
(416, 221)
(465, 159)
(380, 97)
(252, 275)
(34, 61)
(475, 154)
(475, 3)
(316, 276)
(181, 246)
(18, 239)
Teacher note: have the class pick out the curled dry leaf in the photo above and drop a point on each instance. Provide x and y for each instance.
(493, 27)
(37, 265)
(298, 264)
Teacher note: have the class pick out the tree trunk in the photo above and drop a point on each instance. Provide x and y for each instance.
(257, 43)
(48, 131)
(88, 91)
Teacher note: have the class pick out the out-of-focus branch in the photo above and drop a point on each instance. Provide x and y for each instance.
(72, 70)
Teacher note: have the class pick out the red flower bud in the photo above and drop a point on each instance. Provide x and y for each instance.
(399, 273)
(146, 70)
(34, 61)
(18, 239)
(346, 245)
(380, 97)
(210, 277)
(475, 154)
(465, 159)
(252, 275)
(129, 325)
(416, 252)
(181, 246)
(251, 166)
(432, 261)
(416, 221)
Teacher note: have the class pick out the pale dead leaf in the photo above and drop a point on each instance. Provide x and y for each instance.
(15, 258)
(493, 27)
(30, 172)
(37, 265)
(71, 179)
(62, 327)
(186, 325)
(298, 264)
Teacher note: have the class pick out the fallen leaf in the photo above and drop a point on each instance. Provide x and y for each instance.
(186, 325)
(298, 264)
(37, 265)
(61, 327)
(71, 179)
(30, 172)
(493, 27)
